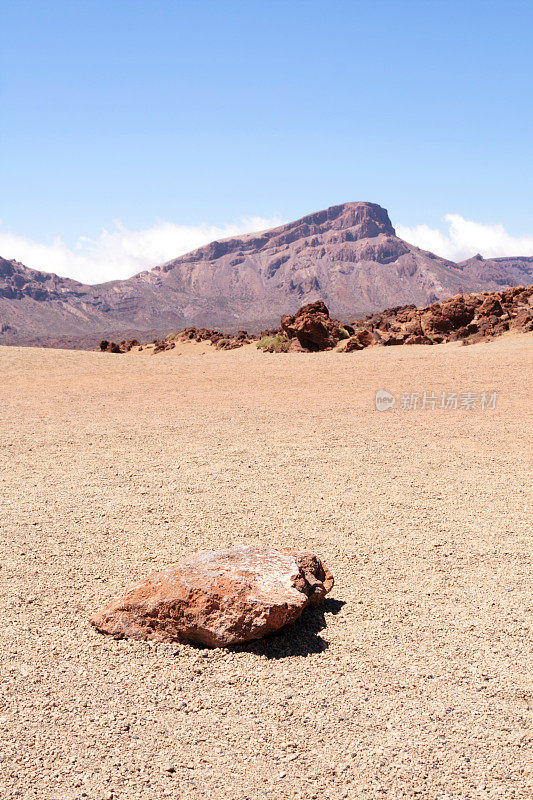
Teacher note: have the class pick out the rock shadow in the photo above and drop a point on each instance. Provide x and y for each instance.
(299, 639)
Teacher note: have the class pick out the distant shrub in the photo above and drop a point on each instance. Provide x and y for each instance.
(342, 333)
(274, 344)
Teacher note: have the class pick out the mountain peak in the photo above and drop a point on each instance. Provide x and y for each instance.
(348, 222)
(370, 218)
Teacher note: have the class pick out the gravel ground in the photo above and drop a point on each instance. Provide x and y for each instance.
(411, 682)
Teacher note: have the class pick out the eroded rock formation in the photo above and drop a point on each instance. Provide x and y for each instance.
(219, 598)
(468, 317)
(313, 327)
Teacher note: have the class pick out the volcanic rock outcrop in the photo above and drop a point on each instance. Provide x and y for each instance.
(348, 256)
(220, 340)
(216, 338)
(121, 347)
(469, 317)
(358, 341)
(313, 327)
(219, 598)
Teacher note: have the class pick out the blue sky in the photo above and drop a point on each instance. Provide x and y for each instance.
(132, 131)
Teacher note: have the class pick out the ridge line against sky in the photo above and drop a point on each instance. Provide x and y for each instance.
(118, 252)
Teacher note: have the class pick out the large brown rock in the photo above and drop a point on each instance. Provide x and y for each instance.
(490, 306)
(446, 317)
(313, 327)
(359, 341)
(523, 319)
(219, 598)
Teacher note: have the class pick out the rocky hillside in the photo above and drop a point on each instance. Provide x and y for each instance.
(469, 318)
(348, 256)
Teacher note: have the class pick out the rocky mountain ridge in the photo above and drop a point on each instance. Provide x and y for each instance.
(348, 256)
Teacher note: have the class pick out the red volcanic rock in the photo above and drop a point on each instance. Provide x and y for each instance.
(192, 334)
(389, 339)
(229, 343)
(296, 347)
(491, 306)
(200, 335)
(523, 319)
(359, 341)
(112, 347)
(416, 339)
(464, 317)
(446, 317)
(470, 317)
(312, 326)
(219, 598)
(160, 345)
(217, 338)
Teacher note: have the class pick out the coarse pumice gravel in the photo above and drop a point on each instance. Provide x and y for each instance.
(411, 681)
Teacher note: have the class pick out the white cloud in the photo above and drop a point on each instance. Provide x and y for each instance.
(120, 253)
(464, 238)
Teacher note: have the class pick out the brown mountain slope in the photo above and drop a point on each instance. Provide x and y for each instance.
(348, 255)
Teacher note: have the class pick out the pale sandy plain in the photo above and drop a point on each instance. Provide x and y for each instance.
(412, 682)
